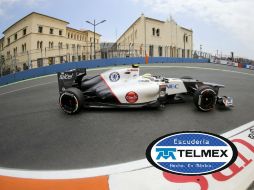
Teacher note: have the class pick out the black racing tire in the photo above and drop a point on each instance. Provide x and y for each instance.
(204, 98)
(186, 77)
(71, 100)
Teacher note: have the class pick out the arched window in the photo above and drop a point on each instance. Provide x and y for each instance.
(38, 44)
(158, 32)
(41, 44)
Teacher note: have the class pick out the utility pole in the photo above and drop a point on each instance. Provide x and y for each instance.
(94, 25)
(200, 50)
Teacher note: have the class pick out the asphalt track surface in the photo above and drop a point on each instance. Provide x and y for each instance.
(35, 133)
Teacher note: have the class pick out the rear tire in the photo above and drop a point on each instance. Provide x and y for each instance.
(205, 98)
(71, 100)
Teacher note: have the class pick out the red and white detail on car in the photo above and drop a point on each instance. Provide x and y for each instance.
(131, 97)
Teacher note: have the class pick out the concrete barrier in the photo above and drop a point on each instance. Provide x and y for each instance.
(37, 72)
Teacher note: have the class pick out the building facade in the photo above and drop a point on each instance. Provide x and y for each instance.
(156, 38)
(40, 40)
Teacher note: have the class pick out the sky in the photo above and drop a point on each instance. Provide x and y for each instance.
(218, 25)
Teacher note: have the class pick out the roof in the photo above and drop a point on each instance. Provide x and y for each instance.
(129, 27)
(190, 30)
(92, 32)
(82, 30)
(36, 14)
(147, 18)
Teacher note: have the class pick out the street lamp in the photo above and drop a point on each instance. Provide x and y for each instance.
(94, 25)
(200, 50)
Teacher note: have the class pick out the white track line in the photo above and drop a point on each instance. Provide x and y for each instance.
(201, 68)
(27, 88)
(99, 171)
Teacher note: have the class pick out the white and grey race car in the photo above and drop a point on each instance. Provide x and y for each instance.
(125, 88)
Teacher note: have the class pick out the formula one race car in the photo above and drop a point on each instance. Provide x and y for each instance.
(125, 88)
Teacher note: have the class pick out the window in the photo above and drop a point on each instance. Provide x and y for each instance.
(61, 59)
(151, 50)
(183, 53)
(15, 36)
(8, 41)
(73, 45)
(60, 32)
(60, 45)
(25, 67)
(51, 44)
(40, 62)
(15, 50)
(40, 29)
(136, 34)
(68, 35)
(24, 32)
(158, 32)
(160, 51)
(187, 39)
(39, 44)
(51, 60)
(67, 46)
(153, 29)
(51, 31)
(8, 54)
(71, 36)
(23, 48)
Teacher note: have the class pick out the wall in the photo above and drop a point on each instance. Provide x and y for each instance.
(90, 64)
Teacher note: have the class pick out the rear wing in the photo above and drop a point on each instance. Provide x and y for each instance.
(70, 78)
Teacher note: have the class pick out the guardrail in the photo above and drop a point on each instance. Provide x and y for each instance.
(41, 71)
(233, 64)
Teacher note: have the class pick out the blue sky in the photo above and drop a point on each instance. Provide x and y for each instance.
(223, 25)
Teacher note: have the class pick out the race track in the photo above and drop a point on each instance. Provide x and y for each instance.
(36, 134)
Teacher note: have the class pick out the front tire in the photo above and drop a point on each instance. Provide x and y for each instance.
(205, 98)
(71, 100)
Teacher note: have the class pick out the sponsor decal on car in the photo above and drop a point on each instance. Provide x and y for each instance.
(191, 153)
(65, 76)
(173, 86)
(113, 77)
(251, 135)
(131, 97)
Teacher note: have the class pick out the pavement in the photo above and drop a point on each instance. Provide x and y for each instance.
(35, 134)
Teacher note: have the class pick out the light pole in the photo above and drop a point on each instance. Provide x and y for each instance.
(200, 50)
(94, 25)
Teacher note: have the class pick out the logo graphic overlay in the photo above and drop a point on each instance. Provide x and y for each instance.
(191, 153)
(113, 77)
